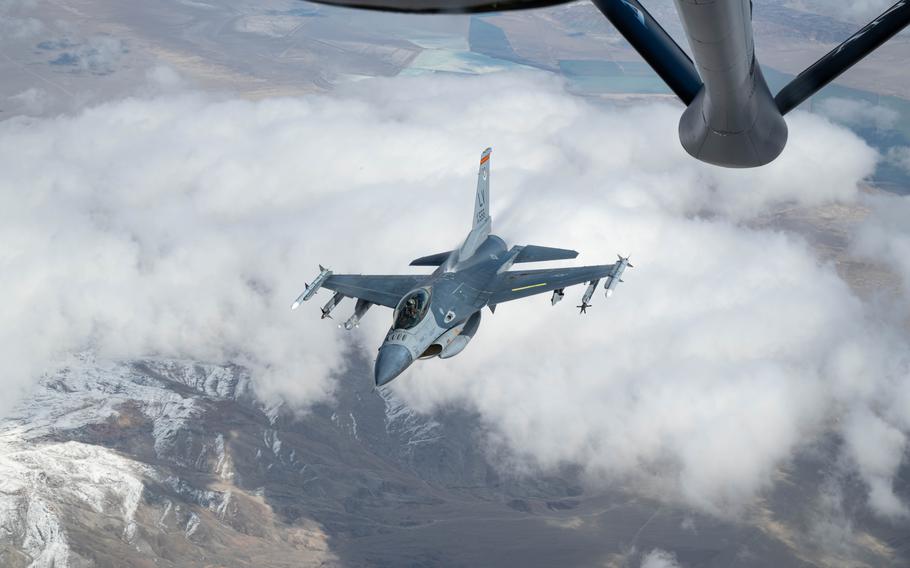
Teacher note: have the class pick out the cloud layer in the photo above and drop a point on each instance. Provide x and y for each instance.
(860, 11)
(183, 225)
(858, 113)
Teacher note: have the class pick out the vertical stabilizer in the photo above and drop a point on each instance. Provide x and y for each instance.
(482, 199)
(482, 222)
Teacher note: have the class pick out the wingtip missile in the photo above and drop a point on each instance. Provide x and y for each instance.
(309, 290)
(615, 276)
(302, 297)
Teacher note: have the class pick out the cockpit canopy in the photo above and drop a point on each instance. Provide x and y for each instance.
(412, 308)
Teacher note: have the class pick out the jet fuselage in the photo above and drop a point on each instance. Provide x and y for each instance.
(457, 291)
(436, 315)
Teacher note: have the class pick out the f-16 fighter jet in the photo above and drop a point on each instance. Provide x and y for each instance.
(437, 314)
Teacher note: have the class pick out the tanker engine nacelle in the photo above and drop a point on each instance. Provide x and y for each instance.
(453, 341)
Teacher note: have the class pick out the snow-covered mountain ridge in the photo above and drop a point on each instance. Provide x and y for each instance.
(64, 472)
(177, 464)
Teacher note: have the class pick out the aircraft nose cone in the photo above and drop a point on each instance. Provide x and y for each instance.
(392, 361)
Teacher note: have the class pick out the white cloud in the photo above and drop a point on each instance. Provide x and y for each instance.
(15, 24)
(658, 558)
(184, 225)
(32, 100)
(885, 235)
(878, 448)
(698, 377)
(164, 78)
(858, 113)
(862, 10)
(859, 11)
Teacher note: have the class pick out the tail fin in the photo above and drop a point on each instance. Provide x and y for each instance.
(482, 199)
(482, 220)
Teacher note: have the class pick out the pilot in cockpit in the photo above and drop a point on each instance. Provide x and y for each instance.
(410, 308)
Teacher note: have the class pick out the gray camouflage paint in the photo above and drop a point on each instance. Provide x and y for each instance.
(465, 281)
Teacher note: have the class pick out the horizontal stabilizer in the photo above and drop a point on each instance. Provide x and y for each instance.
(844, 56)
(432, 260)
(533, 253)
(442, 6)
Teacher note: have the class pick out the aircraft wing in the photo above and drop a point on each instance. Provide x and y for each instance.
(523, 283)
(378, 289)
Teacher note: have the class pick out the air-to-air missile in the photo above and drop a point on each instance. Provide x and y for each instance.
(615, 277)
(592, 285)
(310, 289)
